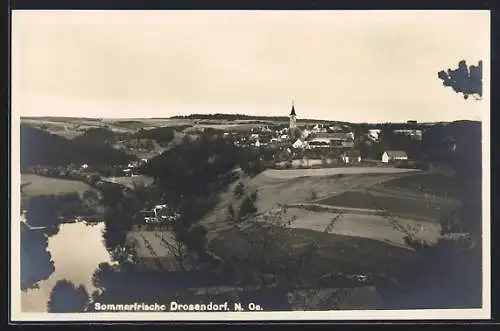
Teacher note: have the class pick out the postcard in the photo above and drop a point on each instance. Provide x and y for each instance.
(250, 165)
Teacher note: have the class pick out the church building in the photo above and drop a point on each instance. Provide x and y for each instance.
(293, 118)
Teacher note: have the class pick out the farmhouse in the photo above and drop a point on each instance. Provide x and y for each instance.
(351, 156)
(299, 143)
(389, 156)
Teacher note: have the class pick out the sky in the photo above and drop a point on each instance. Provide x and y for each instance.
(358, 66)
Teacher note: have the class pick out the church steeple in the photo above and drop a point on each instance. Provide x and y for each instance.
(292, 113)
(293, 116)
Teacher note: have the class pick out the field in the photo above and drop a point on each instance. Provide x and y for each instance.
(152, 250)
(296, 173)
(278, 187)
(376, 209)
(432, 183)
(336, 253)
(407, 206)
(74, 127)
(363, 224)
(40, 185)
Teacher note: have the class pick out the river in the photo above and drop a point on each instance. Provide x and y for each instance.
(77, 249)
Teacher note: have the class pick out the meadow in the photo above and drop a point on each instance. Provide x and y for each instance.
(34, 185)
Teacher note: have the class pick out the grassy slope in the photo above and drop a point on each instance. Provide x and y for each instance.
(273, 191)
(404, 206)
(336, 253)
(433, 183)
(40, 185)
(353, 253)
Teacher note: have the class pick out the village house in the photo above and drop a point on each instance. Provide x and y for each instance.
(337, 139)
(351, 156)
(374, 134)
(389, 156)
(320, 128)
(414, 134)
(300, 144)
(305, 133)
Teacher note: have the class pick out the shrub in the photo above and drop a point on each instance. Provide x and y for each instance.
(90, 195)
(230, 211)
(196, 238)
(239, 190)
(247, 207)
(253, 196)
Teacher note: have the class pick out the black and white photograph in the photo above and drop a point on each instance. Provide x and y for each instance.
(250, 165)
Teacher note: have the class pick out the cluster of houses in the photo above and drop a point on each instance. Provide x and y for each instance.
(159, 214)
(131, 168)
(317, 138)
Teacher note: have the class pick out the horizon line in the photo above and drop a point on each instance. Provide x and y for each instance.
(249, 117)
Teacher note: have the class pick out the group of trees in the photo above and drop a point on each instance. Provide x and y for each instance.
(449, 274)
(36, 261)
(199, 167)
(246, 203)
(38, 147)
(68, 298)
(45, 210)
(162, 135)
(467, 80)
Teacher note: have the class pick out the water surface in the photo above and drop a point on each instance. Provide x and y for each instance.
(77, 249)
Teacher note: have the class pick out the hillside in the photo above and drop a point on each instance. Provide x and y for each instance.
(42, 148)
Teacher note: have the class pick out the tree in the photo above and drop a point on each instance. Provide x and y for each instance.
(91, 195)
(196, 238)
(125, 255)
(230, 211)
(465, 80)
(36, 262)
(247, 207)
(42, 210)
(104, 276)
(239, 190)
(67, 298)
(175, 244)
(448, 274)
(254, 196)
(295, 133)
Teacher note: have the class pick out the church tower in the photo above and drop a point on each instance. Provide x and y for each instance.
(293, 117)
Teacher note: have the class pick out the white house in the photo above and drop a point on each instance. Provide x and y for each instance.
(388, 156)
(283, 137)
(85, 166)
(254, 136)
(299, 143)
(319, 128)
(374, 133)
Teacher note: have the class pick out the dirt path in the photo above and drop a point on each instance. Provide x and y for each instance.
(294, 173)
